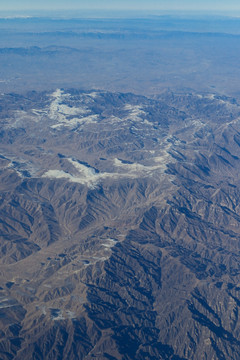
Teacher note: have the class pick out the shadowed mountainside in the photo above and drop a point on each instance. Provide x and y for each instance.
(119, 226)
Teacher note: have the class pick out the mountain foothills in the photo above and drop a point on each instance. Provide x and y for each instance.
(120, 226)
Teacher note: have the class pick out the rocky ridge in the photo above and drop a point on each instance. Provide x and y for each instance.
(119, 226)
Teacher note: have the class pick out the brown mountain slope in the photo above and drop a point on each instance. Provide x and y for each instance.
(119, 226)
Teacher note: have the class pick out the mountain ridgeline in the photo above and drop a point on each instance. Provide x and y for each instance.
(120, 223)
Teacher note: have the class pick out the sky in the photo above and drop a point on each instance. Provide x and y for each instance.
(162, 5)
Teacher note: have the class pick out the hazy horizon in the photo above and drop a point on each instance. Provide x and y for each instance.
(118, 8)
(71, 14)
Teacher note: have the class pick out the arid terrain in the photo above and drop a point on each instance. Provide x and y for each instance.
(144, 56)
(120, 226)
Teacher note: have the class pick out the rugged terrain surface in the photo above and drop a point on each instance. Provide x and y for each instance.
(120, 226)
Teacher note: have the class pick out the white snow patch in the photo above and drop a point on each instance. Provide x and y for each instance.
(85, 170)
(57, 174)
(6, 306)
(93, 94)
(62, 113)
(88, 176)
(164, 157)
(129, 167)
(110, 243)
(134, 112)
(146, 122)
(114, 119)
(6, 303)
(103, 258)
(75, 121)
(138, 169)
(11, 166)
(198, 123)
(44, 310)
(210, 96)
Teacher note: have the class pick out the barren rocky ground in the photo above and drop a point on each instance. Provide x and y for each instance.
(120, 226)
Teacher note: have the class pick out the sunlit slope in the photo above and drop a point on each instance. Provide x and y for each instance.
(119, 226)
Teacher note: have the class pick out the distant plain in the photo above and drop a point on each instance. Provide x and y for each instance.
(144, 56)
